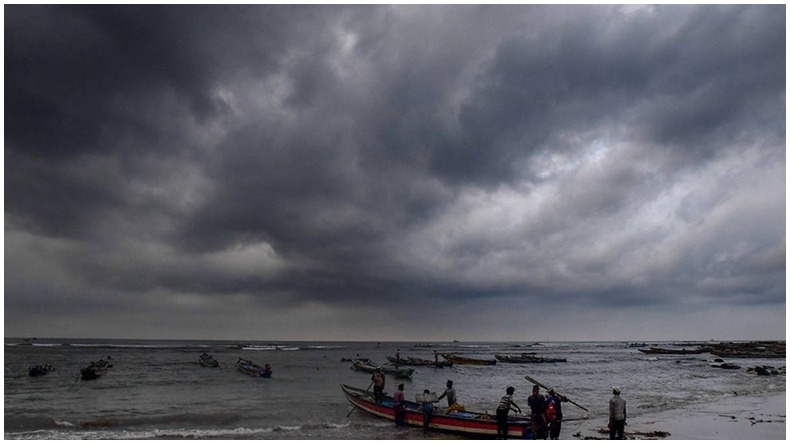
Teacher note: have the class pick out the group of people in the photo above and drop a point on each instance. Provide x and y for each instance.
(545, 411)
(546, 414)
(399, 399)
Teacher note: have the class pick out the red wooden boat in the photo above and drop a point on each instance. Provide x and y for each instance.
(471, 424)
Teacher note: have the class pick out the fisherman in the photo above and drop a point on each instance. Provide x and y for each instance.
(378, 385)
(617, 415)
(427, 409)
(449, 392)
(398, 401)
(506, 404)
(538, 405)
(554, 413)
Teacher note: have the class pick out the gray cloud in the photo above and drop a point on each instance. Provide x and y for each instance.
(321, 164)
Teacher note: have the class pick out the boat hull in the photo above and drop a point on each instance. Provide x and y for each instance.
(528, 359)
(208, 362)
(89, 373)
(39, 370)
(251, 369)
(668, 351)
(370, 368)
(465, 423)
(417, 362)
(460, 360)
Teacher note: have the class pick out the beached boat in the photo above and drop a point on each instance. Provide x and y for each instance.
(250, 368)
(95, 370)
(207, 360)
(418, 362)
(672, 351)
(462, 360)
(473, 424)
(40, 370)
(354, 359)
(370, 367)
(527, 359)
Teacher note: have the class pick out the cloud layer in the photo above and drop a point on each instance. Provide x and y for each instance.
(316, 172)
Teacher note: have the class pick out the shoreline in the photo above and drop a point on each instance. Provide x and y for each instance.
(734, 417)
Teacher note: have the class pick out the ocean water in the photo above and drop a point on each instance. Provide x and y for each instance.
(157, 390)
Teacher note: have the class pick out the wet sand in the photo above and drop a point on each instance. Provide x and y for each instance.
(736, 417)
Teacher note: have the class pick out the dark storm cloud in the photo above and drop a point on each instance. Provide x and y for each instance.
(177, 159)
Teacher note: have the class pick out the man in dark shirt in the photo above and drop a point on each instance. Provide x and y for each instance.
(537, 403)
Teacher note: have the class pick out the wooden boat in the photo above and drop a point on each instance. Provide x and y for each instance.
(528, 359)
(370, 367)
(461, 360)
(40, 370)
(473, 424)
(95, 370)
(418, 362)
(250, 368)
(671, 351)
(207, 360)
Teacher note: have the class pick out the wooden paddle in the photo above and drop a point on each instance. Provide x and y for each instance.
(355, 406)
(536, 382)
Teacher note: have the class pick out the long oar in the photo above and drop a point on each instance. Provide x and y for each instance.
(536, 382)
(355, 406)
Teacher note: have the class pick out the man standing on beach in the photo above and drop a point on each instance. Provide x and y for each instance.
(616, 415)
(555, 417)
(538, 405)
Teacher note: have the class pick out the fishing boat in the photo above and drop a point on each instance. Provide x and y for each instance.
(207, 360)
(417, 362)
(95, 370)
(472, 424)
(40, 370)
(528, 359)
(671, 351)
(250, 368)
(370, 367)
(462, 360)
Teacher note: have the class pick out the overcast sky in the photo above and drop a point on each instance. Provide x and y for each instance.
(395, 173)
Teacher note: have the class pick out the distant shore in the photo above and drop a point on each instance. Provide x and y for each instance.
(735, 417)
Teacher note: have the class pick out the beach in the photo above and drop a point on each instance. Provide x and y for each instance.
(735, 417)
(157, 390)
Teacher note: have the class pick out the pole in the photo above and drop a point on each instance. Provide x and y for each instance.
(355, 406)
(536, 382)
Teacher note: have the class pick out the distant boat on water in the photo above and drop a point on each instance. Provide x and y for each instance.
(671, 351)
(96, 369)
(40, 370)
(207, 360)
(462, 360)
(527, 359)
(370, 367)
(250, 368)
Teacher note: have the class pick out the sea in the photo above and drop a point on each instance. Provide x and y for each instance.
(157, 390)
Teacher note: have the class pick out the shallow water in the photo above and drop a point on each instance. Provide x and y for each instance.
(156, 389)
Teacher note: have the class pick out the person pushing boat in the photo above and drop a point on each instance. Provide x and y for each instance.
(506, 404)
